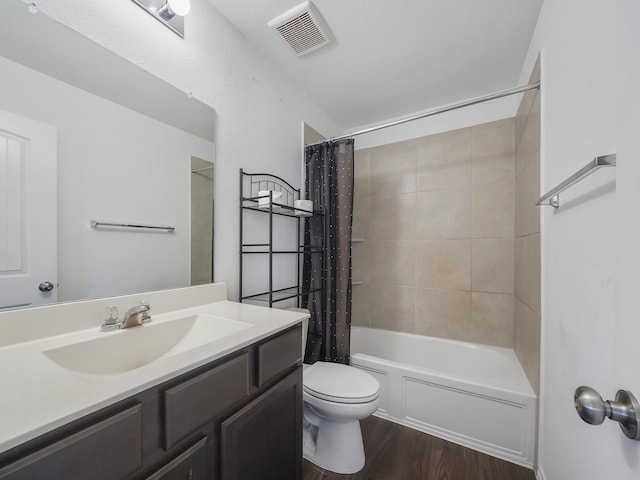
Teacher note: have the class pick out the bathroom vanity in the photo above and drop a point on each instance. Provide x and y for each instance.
(229, 408)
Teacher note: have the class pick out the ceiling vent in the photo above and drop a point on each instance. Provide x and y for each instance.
(302, 28)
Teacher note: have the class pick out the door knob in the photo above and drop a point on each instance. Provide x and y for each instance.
(624, 409)
(45, 287)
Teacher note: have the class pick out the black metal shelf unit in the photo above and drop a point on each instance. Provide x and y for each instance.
(268, 194)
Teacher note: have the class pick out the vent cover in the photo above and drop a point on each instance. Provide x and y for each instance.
(302, 29)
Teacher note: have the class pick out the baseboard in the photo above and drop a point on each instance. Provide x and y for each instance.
(460, 440)
(539, 473)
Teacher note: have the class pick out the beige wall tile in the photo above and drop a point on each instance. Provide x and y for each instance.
(361, 222)
(202, 186)
(393, 168)
(492, 152)
(444, 160)
(529, 141)
(393, 217)
(527, 192)
(361, 306)
(492, 319)
(492, 210)
(200, 263)
(362, 172)
(361, 261)
(393, 263)
(443, 264)
(202, 220)
(527, 342)
(466, 188)
(443, 313)
(527, 271)
(492, 262)
(393, 308)
(444, 213)
(527, 101)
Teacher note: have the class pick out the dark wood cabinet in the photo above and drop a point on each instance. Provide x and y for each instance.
(264, 439)
(189, 465)
(196, 401)
(118, 437)
(239, 417)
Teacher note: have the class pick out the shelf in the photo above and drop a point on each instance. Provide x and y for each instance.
(280, 295)
(251, 203)
(274, 196)
(301, 250)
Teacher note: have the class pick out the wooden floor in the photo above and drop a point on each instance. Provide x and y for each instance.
(394, 452)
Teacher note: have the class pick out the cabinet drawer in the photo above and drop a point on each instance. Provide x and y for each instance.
(193, 403)
(278, 354)
(190, 464)
(111, 448)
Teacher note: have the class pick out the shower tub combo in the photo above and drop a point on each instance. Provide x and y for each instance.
(474, 395)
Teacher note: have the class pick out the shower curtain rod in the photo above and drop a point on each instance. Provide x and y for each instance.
(437, 110)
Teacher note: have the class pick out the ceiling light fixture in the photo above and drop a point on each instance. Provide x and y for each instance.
(170, 12)
(174, 7)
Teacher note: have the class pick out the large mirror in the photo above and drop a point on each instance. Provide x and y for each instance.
(106, 172)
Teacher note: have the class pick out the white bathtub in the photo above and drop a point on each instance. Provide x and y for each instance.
(474, 395)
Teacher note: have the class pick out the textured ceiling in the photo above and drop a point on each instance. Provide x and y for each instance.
(392, 58)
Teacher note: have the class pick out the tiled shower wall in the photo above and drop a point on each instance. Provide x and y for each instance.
(201, 221)
(433, 235)
(527, 233)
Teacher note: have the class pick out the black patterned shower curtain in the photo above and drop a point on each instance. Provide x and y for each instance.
(329, 184)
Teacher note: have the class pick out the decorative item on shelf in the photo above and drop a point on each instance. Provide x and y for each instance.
(263, 201)
(303, 208)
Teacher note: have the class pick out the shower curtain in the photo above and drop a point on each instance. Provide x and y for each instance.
(329, 184)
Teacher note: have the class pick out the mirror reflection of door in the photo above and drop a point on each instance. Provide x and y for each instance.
(202, 176)
(28, 212)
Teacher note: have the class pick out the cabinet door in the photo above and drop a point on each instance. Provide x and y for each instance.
(189, 465)
(264, 439)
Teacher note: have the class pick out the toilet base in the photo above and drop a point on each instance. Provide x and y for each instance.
(334, 446)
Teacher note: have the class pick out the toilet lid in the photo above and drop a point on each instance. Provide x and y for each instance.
(340, 383)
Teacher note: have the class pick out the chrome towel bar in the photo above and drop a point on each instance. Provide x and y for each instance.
(598, 162)
(96, 224)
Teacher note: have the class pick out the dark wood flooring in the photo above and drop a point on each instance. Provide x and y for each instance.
(394, 452)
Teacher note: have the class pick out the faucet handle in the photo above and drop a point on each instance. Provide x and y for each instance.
(146, 316)
(110, 319)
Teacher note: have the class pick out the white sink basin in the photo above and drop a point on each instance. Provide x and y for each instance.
(125, 350)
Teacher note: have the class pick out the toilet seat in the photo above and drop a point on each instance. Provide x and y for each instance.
(339, 383)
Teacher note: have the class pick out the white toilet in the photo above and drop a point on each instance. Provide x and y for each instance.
(336, 397)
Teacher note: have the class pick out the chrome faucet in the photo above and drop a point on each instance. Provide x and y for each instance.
(135, 316)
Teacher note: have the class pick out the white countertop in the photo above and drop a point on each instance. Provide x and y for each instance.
(39, 395)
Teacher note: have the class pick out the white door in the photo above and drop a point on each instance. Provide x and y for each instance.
(28, 212)
(626, 375)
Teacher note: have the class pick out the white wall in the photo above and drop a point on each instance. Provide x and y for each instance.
(578, 41)
(114, 165)
(445, 122)
(259, 111)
